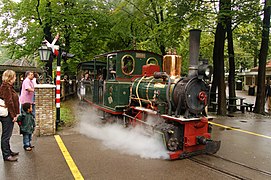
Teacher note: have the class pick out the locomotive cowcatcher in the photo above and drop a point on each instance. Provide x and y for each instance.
(143, 88)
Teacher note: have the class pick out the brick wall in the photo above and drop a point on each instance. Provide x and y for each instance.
(45, 109)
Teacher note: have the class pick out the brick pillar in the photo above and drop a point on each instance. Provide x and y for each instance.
(45, 109)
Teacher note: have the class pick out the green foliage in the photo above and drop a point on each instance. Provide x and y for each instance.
(3, 55)
(66, 113)
(91, 27)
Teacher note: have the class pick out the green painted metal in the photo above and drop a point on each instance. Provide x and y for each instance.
(150, 89)
(162, 108)
(116, 94)
(140, 57)
(140, 60)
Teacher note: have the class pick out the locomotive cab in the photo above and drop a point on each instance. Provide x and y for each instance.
(112, 91)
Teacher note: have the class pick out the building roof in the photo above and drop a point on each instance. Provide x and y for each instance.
(18, 62)
(19, 66)
(268, 67)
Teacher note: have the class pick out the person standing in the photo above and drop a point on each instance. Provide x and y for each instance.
(26, 122)
(35, 79)
(27, 92)
(9, 95)
(268, 97)
(35, 82)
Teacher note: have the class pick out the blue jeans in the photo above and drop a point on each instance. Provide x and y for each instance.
(27, 140)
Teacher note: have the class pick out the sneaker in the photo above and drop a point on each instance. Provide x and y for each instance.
(32, 146)
(14, 153)
(28, 148)
(11, 159)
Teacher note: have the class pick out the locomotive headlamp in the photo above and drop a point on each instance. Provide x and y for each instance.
(205, 71)
(208, 72)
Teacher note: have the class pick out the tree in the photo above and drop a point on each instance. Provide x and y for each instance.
(247, 22)
(218, 58)
(23, 29)
(260, 98)
(90, 27)
(231, 77)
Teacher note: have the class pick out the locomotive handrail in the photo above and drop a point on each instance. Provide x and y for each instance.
(146, 110)
(185, 119)
(147, 93)
(137, 95)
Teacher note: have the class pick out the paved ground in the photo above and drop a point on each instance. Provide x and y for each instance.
(245, 138)
(249, 99)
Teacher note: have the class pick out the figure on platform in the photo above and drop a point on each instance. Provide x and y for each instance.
(9, 95)
(66, 84)
(35, 79)
(87, 77)
(26, 122)
(268, 97)
(28, 89)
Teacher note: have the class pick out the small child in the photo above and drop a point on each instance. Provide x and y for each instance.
(26, 122)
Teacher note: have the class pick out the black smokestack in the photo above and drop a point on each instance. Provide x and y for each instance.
(194, 45)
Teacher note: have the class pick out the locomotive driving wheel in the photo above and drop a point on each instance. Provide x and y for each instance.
(172, 144)
(172, 135)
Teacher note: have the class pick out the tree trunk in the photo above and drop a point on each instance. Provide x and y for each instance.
(218, 59)
(231, 78)
(67, 5)
(48, 37)
(67, 49)
(260, 99)
(214, 83)
(256, 53)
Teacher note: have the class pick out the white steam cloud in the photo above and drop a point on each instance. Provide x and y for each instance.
(132, 141)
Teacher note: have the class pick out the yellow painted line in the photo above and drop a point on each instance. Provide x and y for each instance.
(75, 172)
(240, 130)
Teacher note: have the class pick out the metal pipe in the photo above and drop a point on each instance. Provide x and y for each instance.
(168, 99)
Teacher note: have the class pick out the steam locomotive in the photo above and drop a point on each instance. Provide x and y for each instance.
(143, 88)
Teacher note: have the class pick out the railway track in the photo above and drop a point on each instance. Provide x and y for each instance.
(230, 168)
